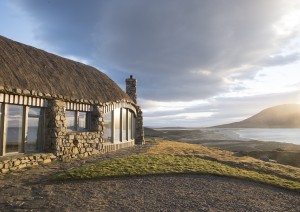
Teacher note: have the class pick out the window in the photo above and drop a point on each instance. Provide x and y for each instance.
(22, 128)
(82, 121)
(14, 128)
(77, 121)
(117, 128)
(70, 120)
(107, 125)
(124, 124)
(120, 123)
(35, 128)
(1, 134)
(133, 126)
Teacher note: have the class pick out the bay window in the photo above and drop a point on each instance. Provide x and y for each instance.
(119, 125)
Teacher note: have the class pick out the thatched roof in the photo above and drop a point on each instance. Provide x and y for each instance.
(25, 67)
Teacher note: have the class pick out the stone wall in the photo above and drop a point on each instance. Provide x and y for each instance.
(55, 126)
(139, 127)
(12, 163)
(68, 145)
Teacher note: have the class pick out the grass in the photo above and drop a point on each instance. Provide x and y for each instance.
(178, 158)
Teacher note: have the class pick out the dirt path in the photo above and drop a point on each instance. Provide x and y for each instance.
(31, 190)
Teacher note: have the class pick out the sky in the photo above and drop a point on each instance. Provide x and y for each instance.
(198, 63)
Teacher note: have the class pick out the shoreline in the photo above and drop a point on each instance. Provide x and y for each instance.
(210, 136)
(284, 153)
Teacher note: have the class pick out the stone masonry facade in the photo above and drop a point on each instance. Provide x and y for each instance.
(61, 144)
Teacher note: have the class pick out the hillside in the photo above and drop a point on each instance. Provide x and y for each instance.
(282, 116)
(170, 157)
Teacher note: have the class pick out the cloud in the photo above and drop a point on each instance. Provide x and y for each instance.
(170, 46)
(282, 59)
(218, 110)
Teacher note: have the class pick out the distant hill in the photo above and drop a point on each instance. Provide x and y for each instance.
(149, 132)
(282, 116)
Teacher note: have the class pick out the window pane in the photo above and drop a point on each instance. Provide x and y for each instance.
(124, 124)
(35, 127)
(129, 125)
(82, 119)
(107, 127)
(34, 111)
(133, 126)
(14, 128)
(117, 125)
(70, 120)
(0, 129)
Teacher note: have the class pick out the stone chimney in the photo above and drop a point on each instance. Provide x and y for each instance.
(131, 84)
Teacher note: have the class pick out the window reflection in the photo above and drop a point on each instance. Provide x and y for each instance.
(34, 132)
(124, 124)
(117, 129)
(133, 126)
(107, 125)
(77, 121)
(129, 125)
(14, 128)
(70, 120)
(82, 121)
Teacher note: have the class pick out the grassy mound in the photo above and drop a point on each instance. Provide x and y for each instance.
(174, 157)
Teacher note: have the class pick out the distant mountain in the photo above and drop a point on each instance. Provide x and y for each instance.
(282, 116)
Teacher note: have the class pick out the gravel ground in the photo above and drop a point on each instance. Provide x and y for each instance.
(31, 190)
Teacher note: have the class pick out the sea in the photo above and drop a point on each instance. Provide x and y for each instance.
(286, 135)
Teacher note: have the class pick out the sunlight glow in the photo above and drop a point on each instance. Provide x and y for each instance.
(288, 23)
(150, 105)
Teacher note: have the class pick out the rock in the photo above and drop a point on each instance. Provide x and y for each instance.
(22, 166)
(26, 92)
(16, 163)
(52, 157)
(265, 158)
(4, 171)
(75, 151)
(95, 152)
(89, 149)
(47, 161)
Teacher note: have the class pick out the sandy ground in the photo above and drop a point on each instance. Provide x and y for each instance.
(33, 190)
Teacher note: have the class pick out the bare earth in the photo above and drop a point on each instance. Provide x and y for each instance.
(32, 190)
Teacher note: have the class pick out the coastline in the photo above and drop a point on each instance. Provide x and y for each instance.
(227, 139)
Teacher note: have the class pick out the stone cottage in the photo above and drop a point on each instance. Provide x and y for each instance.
(55, 108)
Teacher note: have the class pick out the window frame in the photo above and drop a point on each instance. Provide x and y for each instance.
(24, 130)
(111, 138)
(76, 121)
(40, 138)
